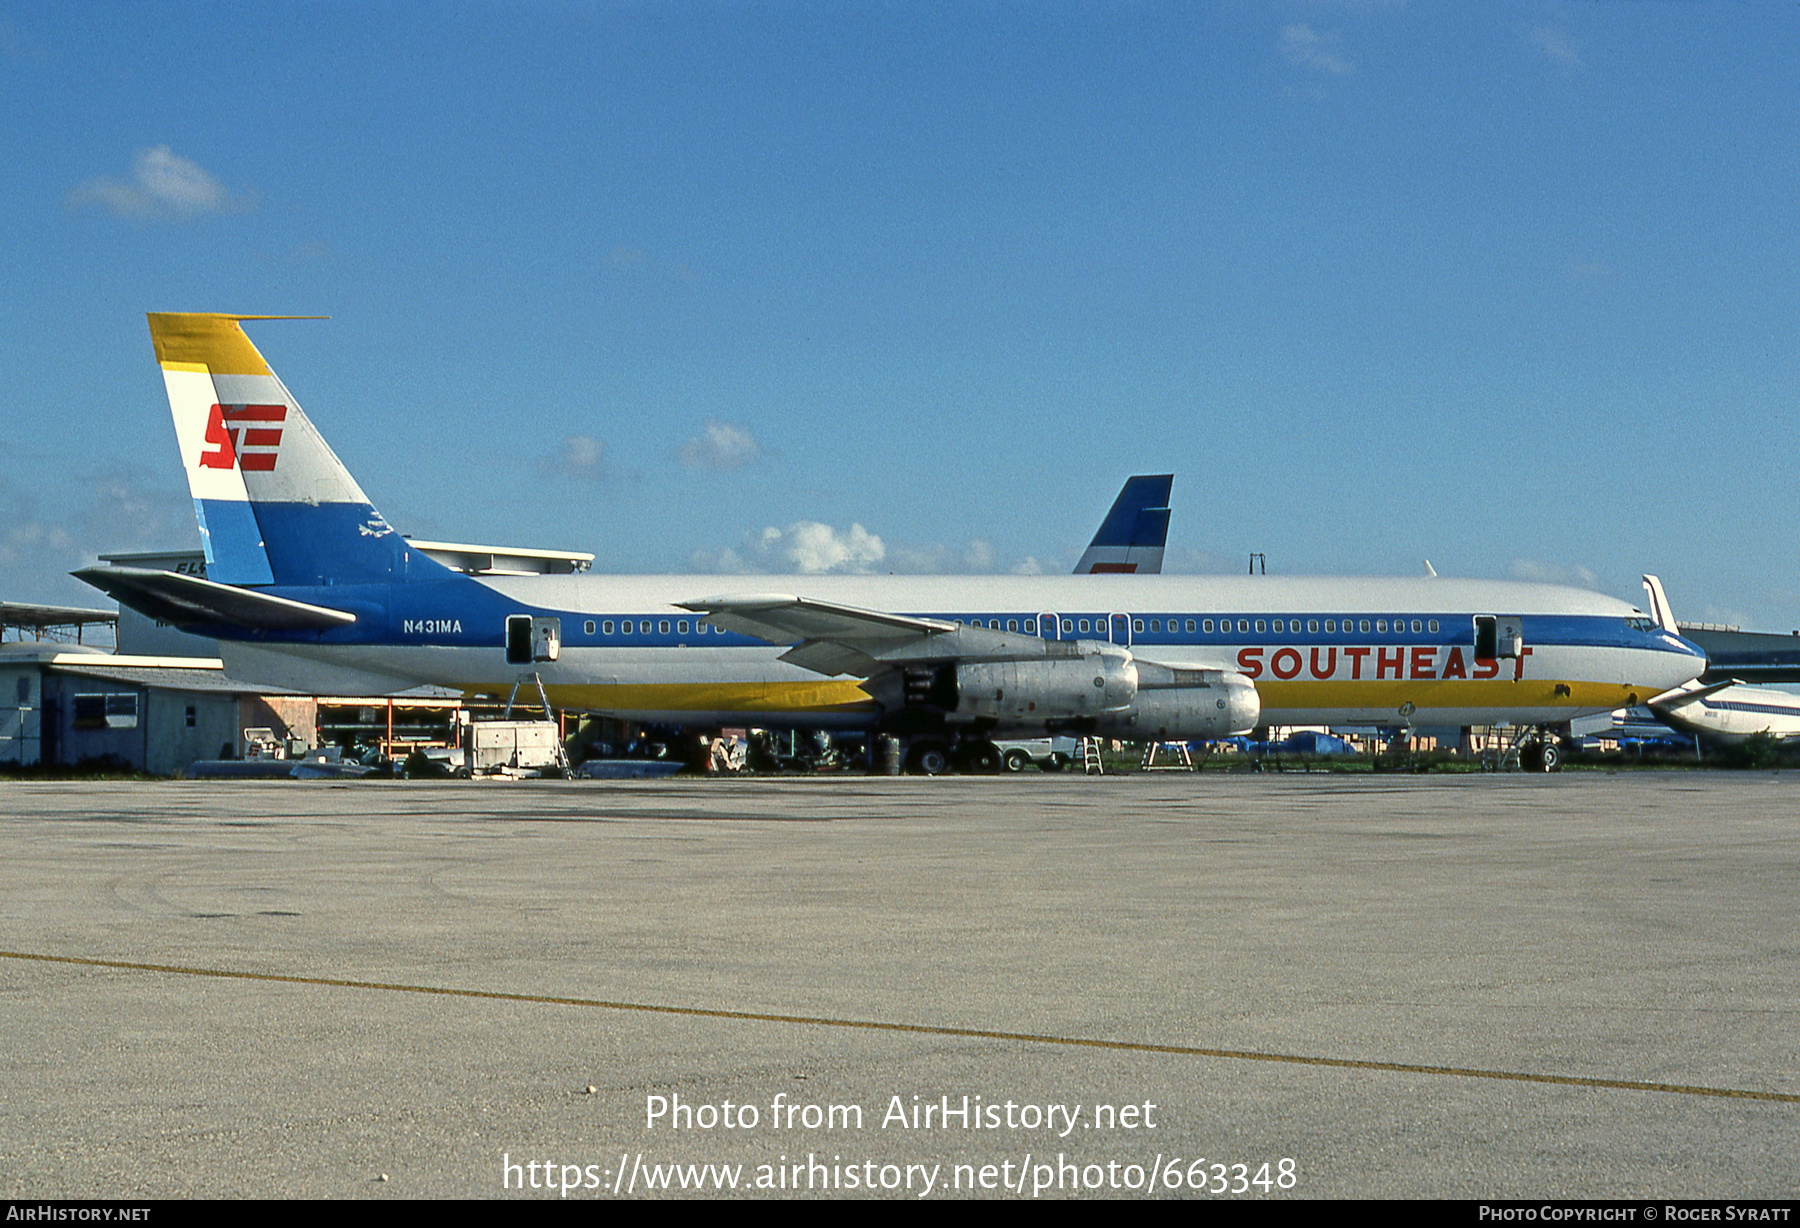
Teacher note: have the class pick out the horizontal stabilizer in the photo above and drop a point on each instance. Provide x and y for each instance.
(1687, 695)
(189, 601)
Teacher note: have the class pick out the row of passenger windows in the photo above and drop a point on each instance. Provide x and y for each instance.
(1090, 626)
(1223, 626)
(644, 626)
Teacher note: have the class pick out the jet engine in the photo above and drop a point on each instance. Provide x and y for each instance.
(1178, 705)
(1046, 693)
(1068, 689)
(1090, 687)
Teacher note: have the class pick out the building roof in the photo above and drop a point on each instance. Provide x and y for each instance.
(166, 678)
(478, 560)
(40, 618)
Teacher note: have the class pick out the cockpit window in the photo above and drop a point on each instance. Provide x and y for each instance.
(1640, 624)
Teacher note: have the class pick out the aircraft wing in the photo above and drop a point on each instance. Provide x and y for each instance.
(189, 601)
(834, 639)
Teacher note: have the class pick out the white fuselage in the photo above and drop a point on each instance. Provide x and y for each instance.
(1397, 652)
(1733, 714)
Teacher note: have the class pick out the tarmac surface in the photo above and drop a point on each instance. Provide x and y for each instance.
(1574, 986)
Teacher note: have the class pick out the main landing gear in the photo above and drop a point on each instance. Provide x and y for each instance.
(1537, 748)
(936, 757)
(1542, 755)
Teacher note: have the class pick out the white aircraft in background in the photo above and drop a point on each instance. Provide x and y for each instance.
(1725, 712)
(309, 587)
(1729, 711)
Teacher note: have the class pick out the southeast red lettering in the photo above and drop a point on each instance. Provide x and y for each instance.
(1424, 662)
(1453, 665)
(221, 438)
(1285, 663)
(1383, 663)
(1250, 662)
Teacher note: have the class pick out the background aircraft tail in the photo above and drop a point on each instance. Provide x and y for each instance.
(274, 503)
(1132, 536)
(1660, 613)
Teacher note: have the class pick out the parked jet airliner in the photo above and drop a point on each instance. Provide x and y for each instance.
(310, 587)
(1730, 712)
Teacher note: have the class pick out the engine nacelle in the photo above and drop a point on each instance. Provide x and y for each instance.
(1069, 687)
(1046, 693)
(1178, 705)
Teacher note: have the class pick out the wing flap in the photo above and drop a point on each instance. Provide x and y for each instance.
(782, 618)
(834, 639)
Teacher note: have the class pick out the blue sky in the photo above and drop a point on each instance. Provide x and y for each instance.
(913, 287)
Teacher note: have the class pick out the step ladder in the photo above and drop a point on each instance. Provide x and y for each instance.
(1182, 761)
(562, 754)
(1090, 757)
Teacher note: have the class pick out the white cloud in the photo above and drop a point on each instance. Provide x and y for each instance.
(581, 458)
(720, 446)
(726, 562)
(1308, 48)
(811, 548)
(1556, 46)
(163, 185)
(805, 547)
(1718, 615)
(1536, 572)
(43, 538)
(978, 557)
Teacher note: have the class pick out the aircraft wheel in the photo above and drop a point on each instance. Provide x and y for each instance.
(929, 759)
(1056, 762)
(1016, 760)
(1531, 758)
(978, 758)
(1550, 758)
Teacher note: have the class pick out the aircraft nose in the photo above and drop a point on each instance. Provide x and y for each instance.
(1687, 661)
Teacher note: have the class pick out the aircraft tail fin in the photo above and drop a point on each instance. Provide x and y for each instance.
(1660, 613)
(274, 503)
(1132, 536)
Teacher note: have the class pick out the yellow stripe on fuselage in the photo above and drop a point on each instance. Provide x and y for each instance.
(1426, 694)
(843, 697)
(825, 696)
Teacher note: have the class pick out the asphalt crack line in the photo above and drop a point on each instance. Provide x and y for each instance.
(922, 1029)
